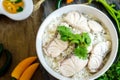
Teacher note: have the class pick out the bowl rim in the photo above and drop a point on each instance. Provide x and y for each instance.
(59, 76)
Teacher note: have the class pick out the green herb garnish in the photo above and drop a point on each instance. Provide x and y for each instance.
(20, 9)
(113, 12)
(81, 51)
(16, 1)
(64, 32)
(81, 41)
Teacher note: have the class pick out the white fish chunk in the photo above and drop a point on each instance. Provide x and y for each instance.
(94, 63)
(72, 65)
(55, 48)
(95, 26)
(98, 53)
(89, 48)
(77, 21)
(102, 48)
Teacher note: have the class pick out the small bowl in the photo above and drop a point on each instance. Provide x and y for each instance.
(90, 11)
(28, 8)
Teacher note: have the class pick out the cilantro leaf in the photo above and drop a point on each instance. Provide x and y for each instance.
(64, 32)
(75, 38)
(82, 41)
(86, 38)
(81, 52)
(19, 9)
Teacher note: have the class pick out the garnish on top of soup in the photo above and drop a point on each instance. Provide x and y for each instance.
(13, 6)
(81, 41)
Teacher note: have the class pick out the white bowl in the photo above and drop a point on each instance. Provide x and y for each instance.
(90, 11)
(27, 10)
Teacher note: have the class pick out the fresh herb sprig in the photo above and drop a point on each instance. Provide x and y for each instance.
(20, 9)
(115, 14)
(114, 72)
(81, 41)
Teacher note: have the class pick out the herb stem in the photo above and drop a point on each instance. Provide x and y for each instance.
(112, 12)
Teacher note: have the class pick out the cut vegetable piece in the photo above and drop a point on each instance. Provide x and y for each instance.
(19, 9)
(19, 69)
(9, 7)
(27, 74)
(69, 1)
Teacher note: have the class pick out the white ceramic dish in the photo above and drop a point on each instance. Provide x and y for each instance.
(88, 10)
(28, 8)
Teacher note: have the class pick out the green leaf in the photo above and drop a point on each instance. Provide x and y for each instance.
(90, 1)
(118, 16)
(19, 9)
(64, 38)
(75, 41)
(86, 38)
(75, 38)
(81, 51)
(112, 5)
(64, 30)
(80, 40)
(16, 1)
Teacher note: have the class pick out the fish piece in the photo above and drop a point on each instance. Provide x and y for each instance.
(55, 48)
(77, 21)
(94, 63)
(102, 48)
(89, 48)
(72, 65)
(95, 26)
(98, 53)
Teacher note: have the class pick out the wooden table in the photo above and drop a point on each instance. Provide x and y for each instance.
(19, 37)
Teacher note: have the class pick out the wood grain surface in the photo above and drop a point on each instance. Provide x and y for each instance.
(19, 37)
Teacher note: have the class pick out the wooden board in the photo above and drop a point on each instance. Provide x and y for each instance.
(19, 38)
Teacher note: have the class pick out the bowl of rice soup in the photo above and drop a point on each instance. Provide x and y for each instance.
(77, 42)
